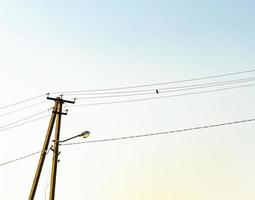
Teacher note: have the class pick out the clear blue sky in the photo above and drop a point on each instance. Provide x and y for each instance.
(48, 46)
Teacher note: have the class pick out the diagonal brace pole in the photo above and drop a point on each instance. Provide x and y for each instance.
(43, 153)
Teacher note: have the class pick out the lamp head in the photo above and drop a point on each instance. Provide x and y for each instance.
(85, 134)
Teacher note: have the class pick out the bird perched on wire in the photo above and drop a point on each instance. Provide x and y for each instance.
(157, 91)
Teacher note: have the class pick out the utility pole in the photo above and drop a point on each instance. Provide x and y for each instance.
(43, 153)
(57, 111)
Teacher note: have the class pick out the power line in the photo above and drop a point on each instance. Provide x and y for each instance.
(23, 101)
(20, 158)
(160, 97)
(176, 88)
(129, 87)
(23, 123)
(161, 133)
(136, 136)
(155, 84)
(25, 118)
(23, 108)
(160, 91)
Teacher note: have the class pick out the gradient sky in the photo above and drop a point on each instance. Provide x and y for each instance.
(48, 46)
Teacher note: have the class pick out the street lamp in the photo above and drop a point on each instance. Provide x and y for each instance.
(84, 134)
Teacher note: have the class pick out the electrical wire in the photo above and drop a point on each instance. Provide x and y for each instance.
(23, 123)
(25, 118)
(20, 158)
(136, 136)
(159, 91)
(159, 97)
(161, 133)
(176, 88)
(155, 84)
(22, 101)
(20, 109)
